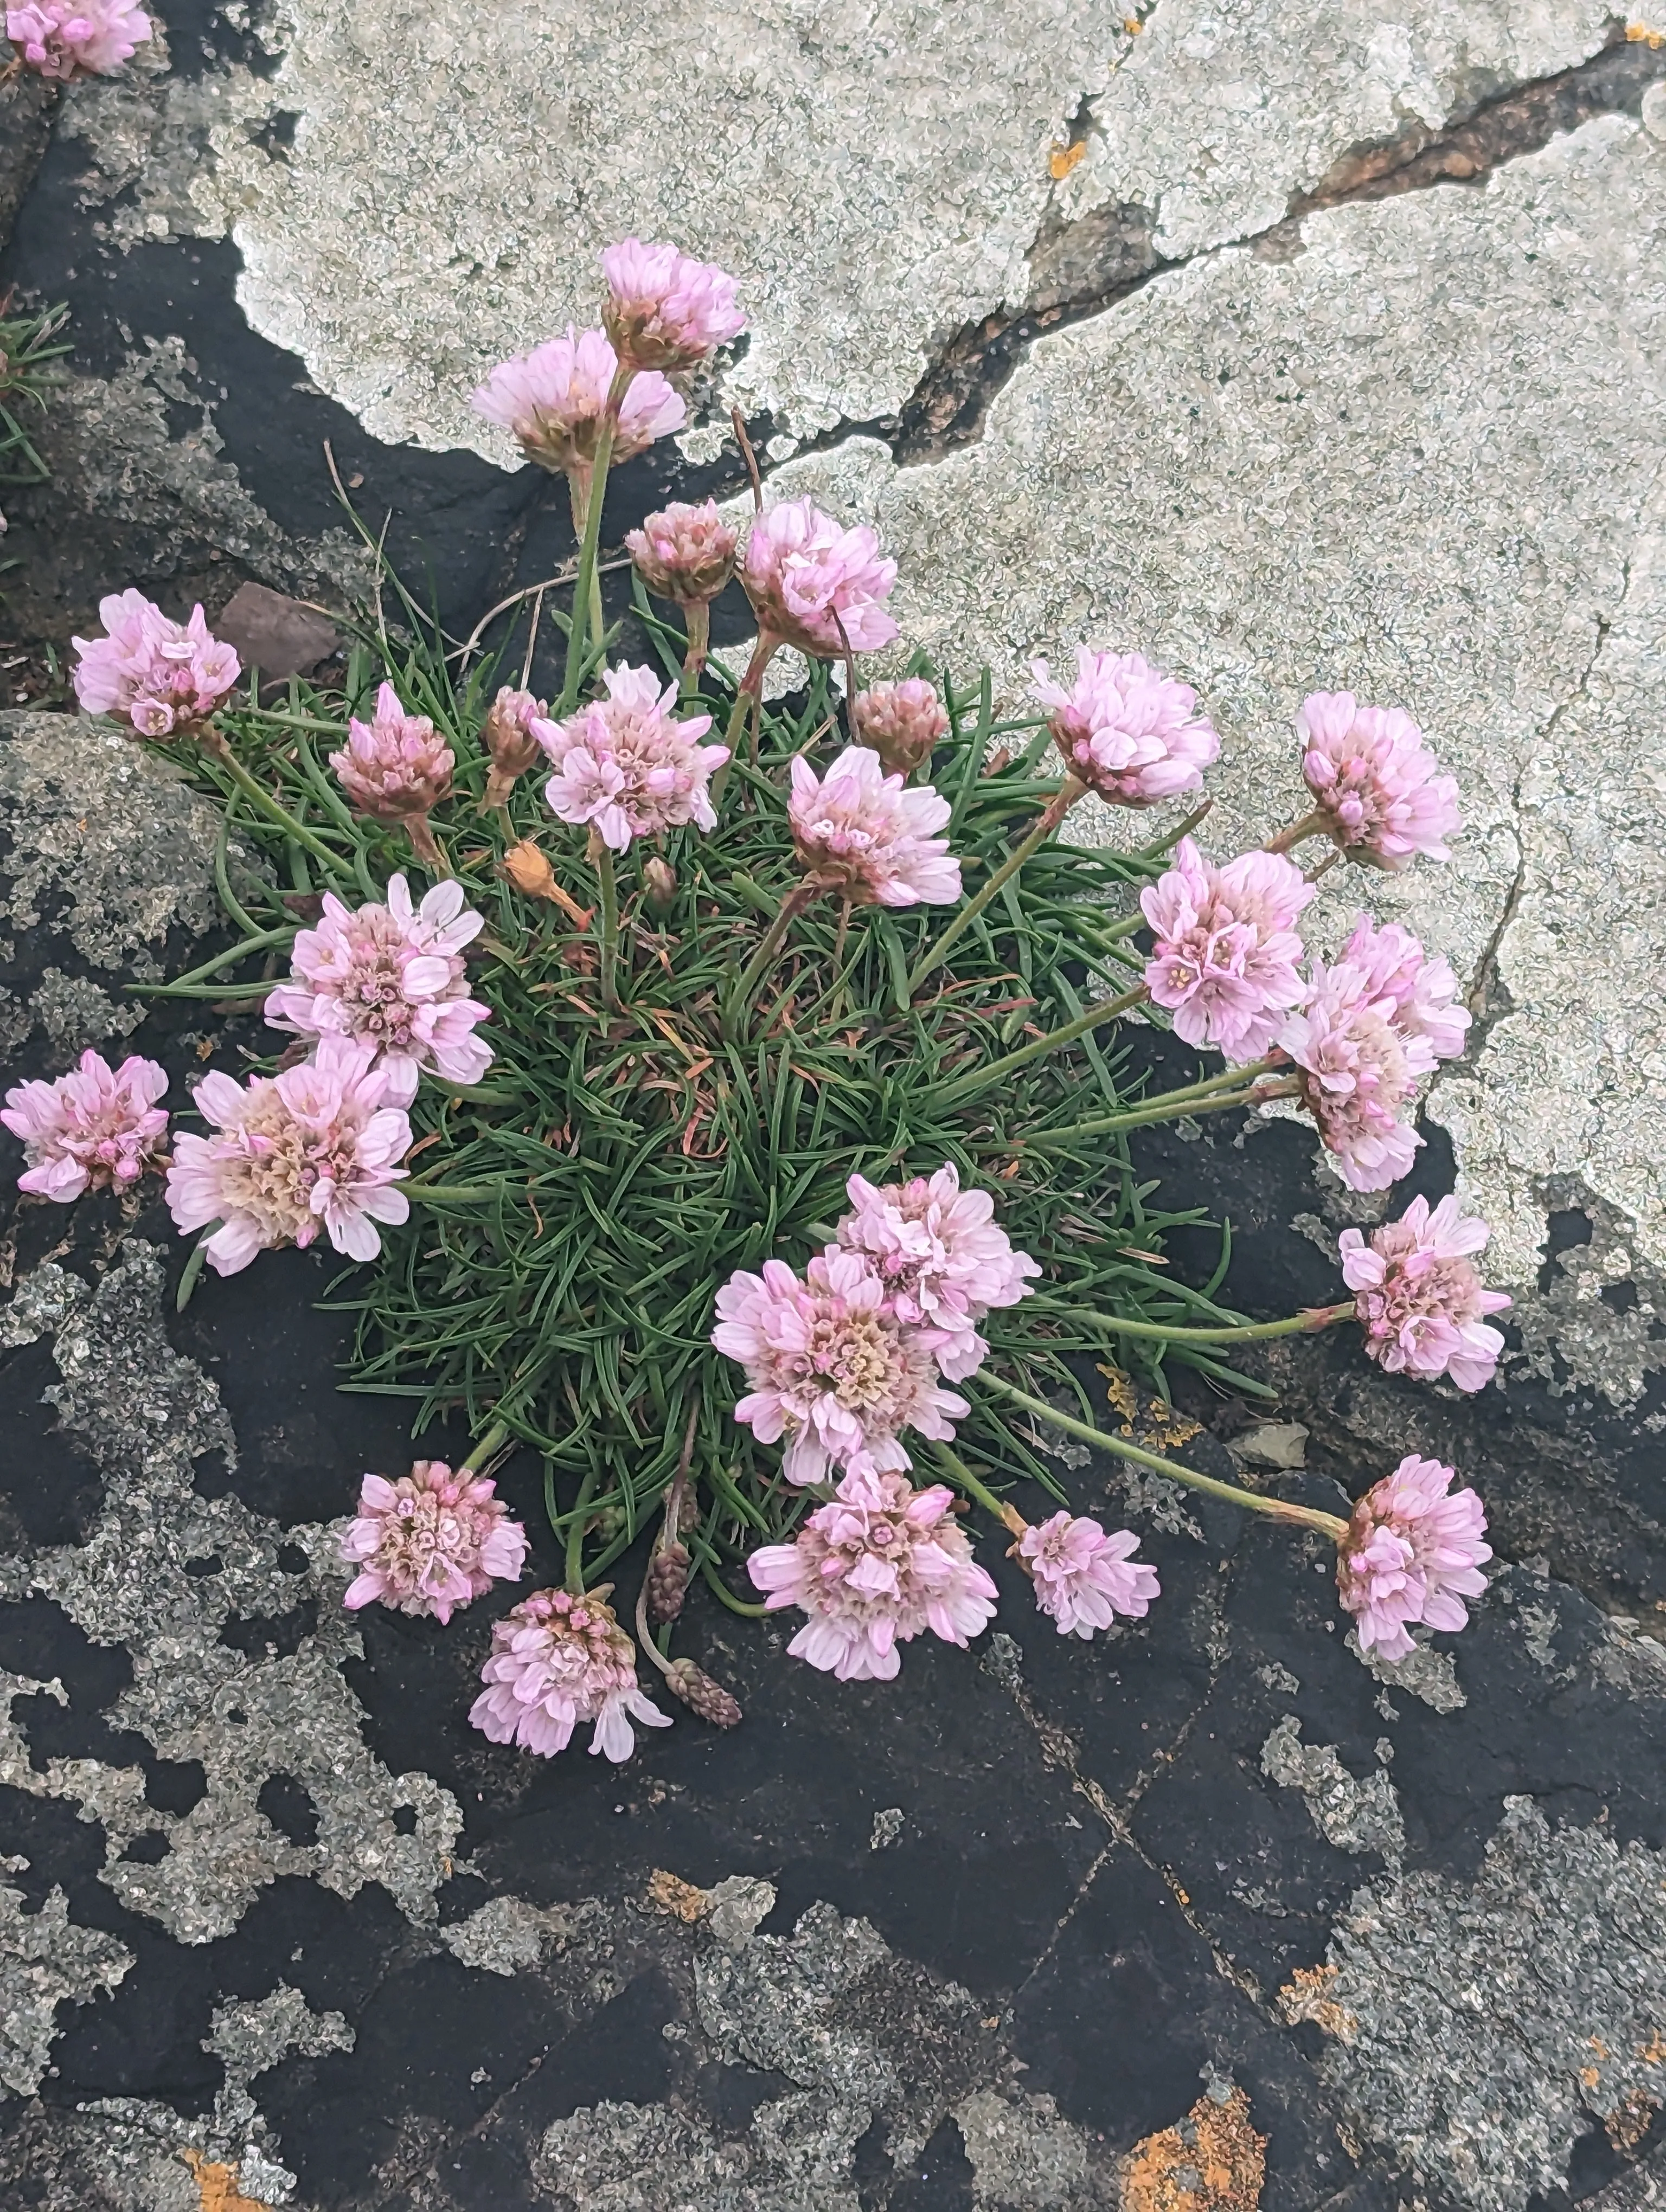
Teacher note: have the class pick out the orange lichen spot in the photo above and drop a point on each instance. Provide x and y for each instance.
(1211, 2162)
(1133, 26)
(1307, 1995)
(1150, 1421)
(1630, 2120)
(1641, 35)
(669, 1892)
(1063, 159)
(216, 2185)
(1590, 2077)
(1652, 2052)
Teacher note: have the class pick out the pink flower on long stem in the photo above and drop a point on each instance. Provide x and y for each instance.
(1226, 955)
(509, 739)
(874, 1569)
(904, 723)
(1125, 730)
(396, 768)
(869, 838)
(431, 1541)
(1424, 990)
(664, 310)
(164, 677)
(557, 1660)
(1359, 1072)
(66, 39)
(626, 766)
(1412, 1554)
(553, 400)
(1378, 789)
(829, 1367)
(1083, 1579)
(392, 977)
(96, 1129)
(807, 577)
(943, 1262)
(316, 1147)
(685, 553)
(1419, 1301)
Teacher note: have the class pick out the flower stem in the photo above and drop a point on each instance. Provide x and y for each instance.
(1307, 1323)
(698, 617)
(215, 746)
(575, 1530)
(1042, 828)
(1175, 1107)
(962, 1476)
(762, 960)
(587, 584)
(480, 1453)
(426, 845)
(608, 898)
(1276, 1509)
(1310, 826)
(748, 700)
(968, 1087)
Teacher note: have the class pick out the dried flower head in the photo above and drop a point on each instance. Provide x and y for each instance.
(1125, 730)
(904, 723)
(163, 677)
(667, 1582)
(665, 310)
(553, 400)
(685, 553)
(96, 1129)
(63, 39)
(626, 766)
(1225, 961)
(696, 1688)
(431, 1541)
(557, 1660)
(868, 836)
(806, 576)
(1412, 1554)
(396, 766)
(943, 1262)
(1083, 1579)
(1419, 1301)
(1375, 781)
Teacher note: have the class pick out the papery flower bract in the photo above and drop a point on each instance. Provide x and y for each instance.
(161, 675)
(1412, 1554)
(904, 723)
(431, 1541)
(66, 39)
(1129, 731)
(315, 1147)
(801, 569)
(1420, 1302)
(685, 553)
(626, 766)
(1375, 781)
(396, 766)
(943, 1261)
(96, 1129)
(665, 310)
(1083, 1579)
(557, 1660)
(391, 976)
(553, 399)
(1225, 962)
(829, 1367)
(1423, 989)
(868, 836)
(1358, 1074)
(874, 1569)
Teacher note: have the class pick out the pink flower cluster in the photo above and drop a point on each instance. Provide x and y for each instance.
(1419, 1301)
(874, 1569)
(1412, 1554)
(391, 976)
(557, 1660)
(1375, 781)
(1083, 1579)
(553, 400)
(626, 766)
(96, 1129)
(160, 675)
(685, 553)
(807, 577)
(67, 39)
(396, 766)
(941, 1257)
(431, 1541)
(904, 723)
(1225, 962)
(1125, 730)
(868, 836)
(664, 311)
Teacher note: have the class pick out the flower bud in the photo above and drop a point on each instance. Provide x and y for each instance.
(659, 881)
(904, 723)
(685, 553)
(667, 1582)
(697, 1691)
(508, 739)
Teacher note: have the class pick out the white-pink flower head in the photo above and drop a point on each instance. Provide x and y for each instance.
(431, 1541)
(904, 723)
(664, 310)
(685, 553)
(392, 977)
(870, 837)
(1424, 990)
(96, 1129)
(557, 1660)
(67, 39)
(396, 766)
(626, 766)
(1376, 784)
(806, 576)
(1419, 1301)
(830, 1367)
(553, 400)
(1358, 1073)
(1083, 1579)
(508, 734)
(160, 675)
(943, 1261)
(874, 1569)
(1412, 1554)
(1225, 962)
(315, 1147)
(1129, 731)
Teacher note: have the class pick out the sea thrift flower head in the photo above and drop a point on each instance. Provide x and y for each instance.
(904, 723)
(806, 576)
(396, 766)
(626, 766)
(664, 310)
(314, 1148)
(1412, 1554)
(830, 1368)
(1083, 1579)
(942, 1259)
(1375, 781)
(160, 675)
(1129, 731)
(1394, 966)
(553, 400)
(685, 553)
(96, 1129)
(869, 838)
(1419, 1301)
(507, 738)
(1358, 1073)
(431, 1541)
(392, 977)
(557, 1660)
(874, 1569)
(66, 39)
(1226, 955)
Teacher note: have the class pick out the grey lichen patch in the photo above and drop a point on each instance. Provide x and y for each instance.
(250, 2035)
(1428, 1674)
(75, 1012)
(45, 1960)
(1026, 2157)
(1596, 1317)
(506, 1936)
(1351, 1814)
(798, 2155)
